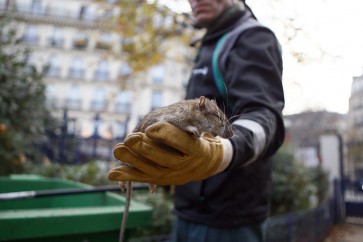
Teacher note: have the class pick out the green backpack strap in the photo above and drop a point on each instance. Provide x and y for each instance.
(220, 54)
(218, 77)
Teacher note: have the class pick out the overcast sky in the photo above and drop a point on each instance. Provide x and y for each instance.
(332, 25)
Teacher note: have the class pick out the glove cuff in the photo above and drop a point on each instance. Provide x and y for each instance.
(227, 155)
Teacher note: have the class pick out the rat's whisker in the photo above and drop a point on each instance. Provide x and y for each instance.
(232, 117)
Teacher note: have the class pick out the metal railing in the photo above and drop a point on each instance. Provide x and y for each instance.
(305, 226)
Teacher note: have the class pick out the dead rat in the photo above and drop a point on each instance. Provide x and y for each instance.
(195, 116)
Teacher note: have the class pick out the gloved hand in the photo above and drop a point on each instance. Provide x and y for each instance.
(167, 155)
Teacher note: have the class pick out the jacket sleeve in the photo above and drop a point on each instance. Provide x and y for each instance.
(254, 84)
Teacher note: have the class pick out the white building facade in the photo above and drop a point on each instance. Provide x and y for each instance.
(87, 77)
(355, 132)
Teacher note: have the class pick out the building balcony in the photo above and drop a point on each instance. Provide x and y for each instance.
(56, 42)
(54, 71)
(73, 104)
(356, 107)
(56, 17)
(53, 103)
(102, 45)
(98, 106)
(80, 43)
(157, 80)
(123, 108)
(101, 75)
(31, 39)
(76, 73)
(358, 124)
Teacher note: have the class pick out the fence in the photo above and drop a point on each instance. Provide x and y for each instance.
(353, 198)
(309, 225)
(68, 147)
(305, 226)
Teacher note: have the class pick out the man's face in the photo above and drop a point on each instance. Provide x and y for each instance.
(206, 11)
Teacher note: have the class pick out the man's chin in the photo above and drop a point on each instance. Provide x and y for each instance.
(203, 20)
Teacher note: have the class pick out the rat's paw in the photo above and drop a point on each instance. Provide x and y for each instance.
(194, 131)
(152, 188)
(122, 185)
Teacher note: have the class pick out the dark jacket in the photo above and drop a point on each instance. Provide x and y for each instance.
(239, 195)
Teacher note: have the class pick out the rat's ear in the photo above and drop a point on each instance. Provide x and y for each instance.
(201, 105)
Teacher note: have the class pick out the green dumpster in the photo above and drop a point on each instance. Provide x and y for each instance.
(77, 217)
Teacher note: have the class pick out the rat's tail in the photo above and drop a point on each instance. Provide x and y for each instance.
(126, 211)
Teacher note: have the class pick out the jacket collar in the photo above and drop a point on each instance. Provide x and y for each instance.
(228, 17)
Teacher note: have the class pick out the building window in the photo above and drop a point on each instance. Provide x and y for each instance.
(31, 35)
(123, 102)
(125, 70)
(85, 14)
(76, 70)
(54, 68)
(57, 38)
(59, 9)
(80, 41)
(102, 73)
(357, 84)
(157, 74)
(50, 97)
(4, 4)
(29, 59)
(156, 99)
(36, 7)
(74, 98)
(82, 12)
(119, 131)
(99, 100)
(105, 42)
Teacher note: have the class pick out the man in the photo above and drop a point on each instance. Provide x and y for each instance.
(222, 187)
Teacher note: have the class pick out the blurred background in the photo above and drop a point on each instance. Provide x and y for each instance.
(77, 75)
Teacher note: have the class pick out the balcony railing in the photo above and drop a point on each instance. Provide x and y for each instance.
(76, 73)
(74, 104)
(102, 45)
(98, 106)
(123, 107)
(101, 75)
(53, 71)
(53, 103)
(56, 15)
(30, 39)
(80, 43)
(56, 42)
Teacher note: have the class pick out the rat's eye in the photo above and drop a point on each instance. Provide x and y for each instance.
(217, 116)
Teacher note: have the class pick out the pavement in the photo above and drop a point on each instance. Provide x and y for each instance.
(348, 232)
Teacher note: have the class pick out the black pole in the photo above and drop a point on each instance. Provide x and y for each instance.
(95, 135)
(64, 127)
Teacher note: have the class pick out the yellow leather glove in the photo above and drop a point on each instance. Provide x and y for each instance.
(167, 155)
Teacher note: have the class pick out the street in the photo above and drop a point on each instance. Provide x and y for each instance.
(347, 232)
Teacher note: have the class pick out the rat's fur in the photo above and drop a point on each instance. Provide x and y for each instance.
(194, 116)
